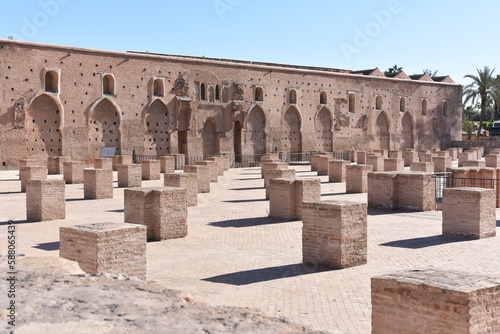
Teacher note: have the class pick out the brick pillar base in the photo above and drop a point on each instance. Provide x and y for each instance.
(129, 175)
(73, 172)
(97, 183)
(45, 200)
(151, 169)
(189, 181)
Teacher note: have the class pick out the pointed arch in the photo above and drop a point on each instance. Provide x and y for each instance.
(43, 127)
(156, 136)
(324, 124)
(256, 130)
(210, 138)
(407, 133)
(292, 139)
(382, 131)
(104, 123)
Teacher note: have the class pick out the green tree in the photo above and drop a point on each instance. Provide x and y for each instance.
(430, 73)
(470, 113)
(483, 87)
(469, 127)
(394, 69)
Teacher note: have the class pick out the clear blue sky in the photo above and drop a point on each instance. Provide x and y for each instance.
(453, 37)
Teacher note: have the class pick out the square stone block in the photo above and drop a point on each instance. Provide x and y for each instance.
(435, 301)
(73, 172)
(129, 175)
(220, 164)
(103, 163)
(162, 209)
(410, 157)
(30, 173)
(282, 199)
(167, 164)
(376, 161)
(469, 212)
(441, 163)
(189, 181)
(334, 233)
(465, 156)
(356, 178)
(322, 164)
(426, 167)
(396, 154)
(272, 165)
(474, 163)
(361, 158)
(55, 165)
(394, 165)
(121, 160)
(382, 190)
(97, 183)
(277, 174)
(114, 248)
(45, 200)
(336, 170)
(306, 190)
(213, 169)
(314, 161)
(453, 153)
(416, 191)
(492, 160)
(202, 175)
(151, 169)
(426, 157)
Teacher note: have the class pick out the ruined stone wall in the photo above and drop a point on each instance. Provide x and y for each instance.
(70, 101)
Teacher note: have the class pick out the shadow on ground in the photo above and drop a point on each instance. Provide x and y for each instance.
(17, 222)
(48, 246)
(243, 189)
(246, 200)
(416, 243)
(117, 210)
(498, 223)
(248, 222)
(266, 274)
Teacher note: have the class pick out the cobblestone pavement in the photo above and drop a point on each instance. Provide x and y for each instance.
(236, 255)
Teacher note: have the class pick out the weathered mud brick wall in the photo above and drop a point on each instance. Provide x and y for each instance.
(189, 181)
(103, 163)
(336, 170)
(30, 173)
(306, 190)
(73, 172)
(469, 212)
(97, 183)
(167, 164)
(435, 301)
(356, 178)
(129, 175)
(114, 248)
(334, 233)
(151, 169)
(45, 200)
(162, 209)
(55, 164)
(203, 177)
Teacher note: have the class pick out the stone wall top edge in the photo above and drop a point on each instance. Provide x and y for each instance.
(227, 62)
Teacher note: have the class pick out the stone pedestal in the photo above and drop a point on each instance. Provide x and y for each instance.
(334, 234)
(97, 183)
(492, 160)
(129, 175)
(167, 164)
(314, 161)
(453, 153)
(265, 166)
(441, 163)
(409, 157)
(45, 200)
(202, 175)
(27, 163)
(55, 165)
(30, 173)
(189, 181)
(376, 161)
(277, 174)
(361, 158)
(356, 178)
(306, 190)
(426, 157)
(103, 163)
(382, 190)
(474, 163)
(151, 169)
(121, 160)
(213, 169)
(426, 167)
(435, 301)
(416, 191)
(162, 209)
(469, 212)
(220, 164)
(394, 165)
(395, 154)
(114, 248)
(465, 156)
(73, 172)
(322, 164)
(336, 170)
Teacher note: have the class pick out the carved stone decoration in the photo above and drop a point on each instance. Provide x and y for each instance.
(181, 86)
(237, 92)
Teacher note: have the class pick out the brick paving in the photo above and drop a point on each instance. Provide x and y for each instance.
(236, 255)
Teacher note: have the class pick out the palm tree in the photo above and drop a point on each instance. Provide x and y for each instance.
(484, 87)
(469, 127)
(430, 73)
(394, 69)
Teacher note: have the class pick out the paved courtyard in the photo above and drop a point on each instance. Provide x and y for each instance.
(236, 255)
